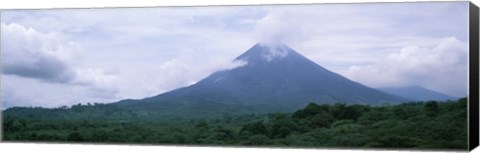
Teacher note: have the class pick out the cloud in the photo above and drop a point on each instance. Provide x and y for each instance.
(442, 67)
(143, 54)
(29, 53)
(21, 91)
(278, 27)
(48, 57)
(275, 53)
(183, 71)
(97, 78)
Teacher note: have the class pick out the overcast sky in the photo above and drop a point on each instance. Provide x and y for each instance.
(52, 58)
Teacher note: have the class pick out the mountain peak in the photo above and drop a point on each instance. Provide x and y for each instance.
(276, 78)
(264, 52)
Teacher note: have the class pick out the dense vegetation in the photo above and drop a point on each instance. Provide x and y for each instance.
(440, 125)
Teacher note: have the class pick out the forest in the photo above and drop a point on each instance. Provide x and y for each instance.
(420, 125)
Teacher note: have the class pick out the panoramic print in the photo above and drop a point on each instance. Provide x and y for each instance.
(378, 75)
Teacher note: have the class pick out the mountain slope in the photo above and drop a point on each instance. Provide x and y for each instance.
(417, 93)
(274, 79)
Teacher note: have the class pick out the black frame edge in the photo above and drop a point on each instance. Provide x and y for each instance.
(473, 99)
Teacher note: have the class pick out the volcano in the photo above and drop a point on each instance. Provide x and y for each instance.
(274, 78)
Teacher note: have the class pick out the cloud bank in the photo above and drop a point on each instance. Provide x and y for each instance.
(278, 28)
(46, 57)
(442, 67)
(28, 53)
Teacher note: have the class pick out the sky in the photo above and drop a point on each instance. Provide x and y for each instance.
(52, 58)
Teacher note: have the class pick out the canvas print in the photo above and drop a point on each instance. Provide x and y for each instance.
(373, 75)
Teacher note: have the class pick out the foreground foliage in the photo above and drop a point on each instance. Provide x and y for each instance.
(438, 125)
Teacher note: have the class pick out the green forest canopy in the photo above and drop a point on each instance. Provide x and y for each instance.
(422, 125)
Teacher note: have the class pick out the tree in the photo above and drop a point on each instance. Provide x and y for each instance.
(223, 134)
(310, 110)
(75, 136)
(432, 108)
(320, 120)
(395, 141)
(259, 140)
(255, 128)
(282, 126)
(351, 112)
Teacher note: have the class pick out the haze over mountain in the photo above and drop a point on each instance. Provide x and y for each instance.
(275, 78)
(417, 93)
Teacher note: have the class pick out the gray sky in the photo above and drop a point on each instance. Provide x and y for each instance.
(52, 58)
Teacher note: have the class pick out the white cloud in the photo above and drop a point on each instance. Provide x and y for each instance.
(275, 53)
(180, 72)
(49, 58)
(147, 56)
(442, 67)
(97, 78)
(20, 91)
(278, 27)
(29, 53)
